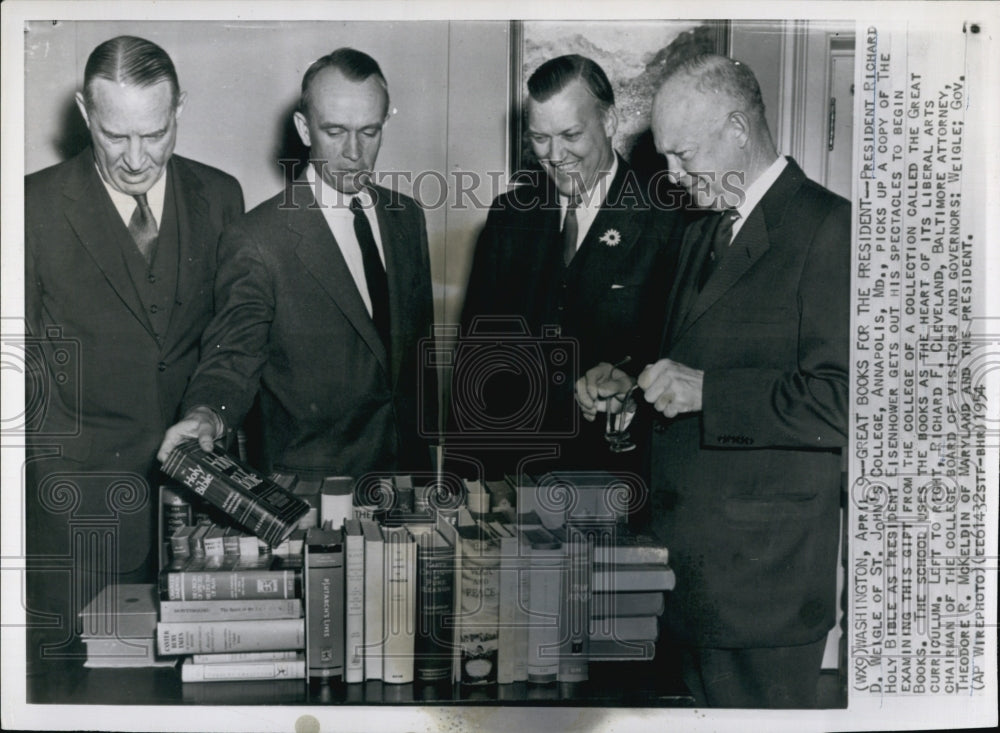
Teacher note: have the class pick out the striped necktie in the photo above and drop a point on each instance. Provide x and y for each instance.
(142, 227)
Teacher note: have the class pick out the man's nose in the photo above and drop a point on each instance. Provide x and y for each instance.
(352, 150)
(134, 153)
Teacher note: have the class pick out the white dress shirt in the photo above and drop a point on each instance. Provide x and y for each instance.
(126, 205)
(755, 192)
(590, 203)
(339, 217)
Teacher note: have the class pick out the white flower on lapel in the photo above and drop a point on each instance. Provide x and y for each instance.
(612, 238)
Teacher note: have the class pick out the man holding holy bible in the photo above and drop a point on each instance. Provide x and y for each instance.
(751, 395)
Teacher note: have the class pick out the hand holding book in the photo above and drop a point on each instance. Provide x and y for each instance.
(201, 423)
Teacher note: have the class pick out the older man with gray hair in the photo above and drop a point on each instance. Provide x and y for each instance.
(750, 392)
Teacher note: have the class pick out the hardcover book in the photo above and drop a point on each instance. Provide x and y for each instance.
(124, 611)
(209, 637)
(324, 602)
(354, 622)
(234, 610)
(250, 499)
(374, 597)
(574, 619)
(230, 581)
(477, 625)
(547, 565)
(639, 577)
(435, 595)
(287, 669)
(400, 605)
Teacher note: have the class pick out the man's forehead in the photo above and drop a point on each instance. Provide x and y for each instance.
(571, 104)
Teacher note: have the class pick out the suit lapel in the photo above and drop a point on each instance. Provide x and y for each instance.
(192, 226)
(684, 291)
(319, 252)
(749, 246)
(616, 227)
(90, 214)
(399, 271)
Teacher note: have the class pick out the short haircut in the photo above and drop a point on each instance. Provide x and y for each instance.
(129, 60)
(714, 74)
(556, 74)
(353, 64)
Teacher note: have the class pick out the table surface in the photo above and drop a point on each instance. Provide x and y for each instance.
(611, 684)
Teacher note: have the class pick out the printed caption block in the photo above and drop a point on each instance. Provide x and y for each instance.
(922, 358)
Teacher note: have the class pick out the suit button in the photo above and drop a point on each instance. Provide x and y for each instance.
(153, 309)
(659, 427)
(162, 366)
(151, 277)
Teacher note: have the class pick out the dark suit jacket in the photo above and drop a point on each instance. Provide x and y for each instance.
(291, 322)
(608, 304)
(746, 492)
(105, 407)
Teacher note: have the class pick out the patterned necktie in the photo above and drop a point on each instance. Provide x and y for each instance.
(721, 233)
(375, 277)
(571, 230)
(142, 227)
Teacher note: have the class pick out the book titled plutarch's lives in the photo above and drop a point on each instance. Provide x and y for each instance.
(249, 498)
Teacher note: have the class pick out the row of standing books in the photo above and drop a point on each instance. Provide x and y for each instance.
(503, 586)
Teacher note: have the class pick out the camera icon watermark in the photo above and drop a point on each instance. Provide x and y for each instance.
(50, 367)
(504, 379)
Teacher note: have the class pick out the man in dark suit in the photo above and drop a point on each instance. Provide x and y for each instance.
(578, 254)
(120, 250)
(322, 295)
(751, 395)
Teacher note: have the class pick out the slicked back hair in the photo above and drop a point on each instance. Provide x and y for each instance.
(355, 65)
(556, 74)
(129, 60)
(721, 75)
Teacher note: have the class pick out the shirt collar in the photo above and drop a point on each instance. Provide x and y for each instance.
(756, 190)
(594, 199)
(332, 200)
(125, 203)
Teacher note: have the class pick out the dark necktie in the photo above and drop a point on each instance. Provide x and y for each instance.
(142, 227)
(721, 233)
(375, 277)
(571, 230)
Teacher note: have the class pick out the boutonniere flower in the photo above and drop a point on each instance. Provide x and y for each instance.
(612, 238)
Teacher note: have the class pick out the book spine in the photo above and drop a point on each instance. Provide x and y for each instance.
(354, 650)
(435, 587)
(324, 604)
(246, 610)
(245, 657)
(374, 605)
(545, 589)
(276, 670)
(477, 634)
(400, 607)
(209, 637)
(228, 585)
(507, 618)
(624, 578)
(574, 621)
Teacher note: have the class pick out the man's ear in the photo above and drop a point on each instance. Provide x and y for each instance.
(611, 121)
(739, 126)
(81, 104)
(179, 107)
(302, 127)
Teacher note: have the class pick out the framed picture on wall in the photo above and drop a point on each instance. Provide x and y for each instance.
(635, 55)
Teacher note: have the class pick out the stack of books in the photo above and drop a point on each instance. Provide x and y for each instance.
(119, 627)
(527, 581)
